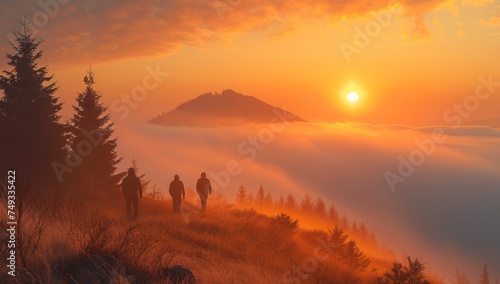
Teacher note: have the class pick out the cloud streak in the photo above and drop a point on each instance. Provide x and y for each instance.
(89, 31)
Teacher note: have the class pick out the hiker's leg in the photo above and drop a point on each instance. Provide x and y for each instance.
(128, 202)
(136, 206)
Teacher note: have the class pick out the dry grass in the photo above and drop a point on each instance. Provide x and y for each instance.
(81, 241)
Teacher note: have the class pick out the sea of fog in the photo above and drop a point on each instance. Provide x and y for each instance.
(431, 193)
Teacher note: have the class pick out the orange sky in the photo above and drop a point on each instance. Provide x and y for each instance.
(416, 61)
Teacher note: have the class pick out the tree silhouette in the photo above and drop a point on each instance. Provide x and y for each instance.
(291, 203)
(373, 238)
(363, 231)
(355, 229)
(338, 237)
(241, 195)
(320, 208)
(400, 274)
(354, 257)
(287, 222)
(250, 199)
(260, 195)
(268, 200)
(97, 169)
(344, 222)
(281, 201)
(460, 278)
(31, 136)
(485, 275)
(307, 205)
(333, 215)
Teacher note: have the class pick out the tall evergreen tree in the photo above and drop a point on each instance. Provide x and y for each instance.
(333, 215)
(241, 195)
(291, 203)
(460, 278)
(280, 203)
(354, 257)
(96, 170)
(260, 195)
(338, 237)
(485, 275)
(320, 208)
(268, 201)
(31, 136)
(306, 205)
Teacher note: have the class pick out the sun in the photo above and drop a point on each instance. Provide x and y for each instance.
(352, 97)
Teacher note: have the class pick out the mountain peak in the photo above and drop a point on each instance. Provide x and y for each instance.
(228, 108)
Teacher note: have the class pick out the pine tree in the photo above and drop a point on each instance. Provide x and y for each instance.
(320, 208)
(291, 203)
(333, 215)
(260, 195)
(241, 195)
(344, 223)
(250, 199)
(307, 205)
(363, 231)
(97, 169)
(355, 229)
(32, 138)
(460, 278)
(485, 275)
(268, 200)
(411, 274)
(354, 257)
(373, 238)
(338, 237)
(281, 201)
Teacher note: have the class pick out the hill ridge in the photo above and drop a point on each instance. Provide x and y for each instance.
(228, 108)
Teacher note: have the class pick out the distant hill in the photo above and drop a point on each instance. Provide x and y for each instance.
(228, 108)
(491, 122)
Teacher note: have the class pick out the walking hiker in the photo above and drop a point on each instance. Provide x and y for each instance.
(204, 188)
(131, 186)
(176, 190)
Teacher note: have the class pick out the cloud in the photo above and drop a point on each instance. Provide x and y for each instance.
(79, 32)
(449, 203)
(477, 3)
(492, 22)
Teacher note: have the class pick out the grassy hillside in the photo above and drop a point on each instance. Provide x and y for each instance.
(75, 240)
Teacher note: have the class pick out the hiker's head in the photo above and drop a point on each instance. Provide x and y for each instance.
(131, 172)
(203, 175)
(176, 177)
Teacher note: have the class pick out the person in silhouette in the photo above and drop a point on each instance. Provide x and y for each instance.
(176, 190)
(204, 188)
(132, 191)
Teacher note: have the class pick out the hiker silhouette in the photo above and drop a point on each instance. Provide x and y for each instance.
(131, 185)
(204, 188)
(176, 190)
